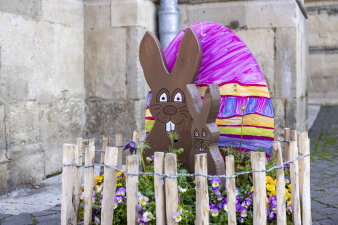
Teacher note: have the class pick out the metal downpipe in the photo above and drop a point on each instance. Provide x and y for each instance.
(169, 21)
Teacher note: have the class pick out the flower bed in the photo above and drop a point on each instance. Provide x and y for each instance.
(186, 188)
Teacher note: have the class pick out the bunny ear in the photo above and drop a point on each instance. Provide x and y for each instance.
(189, 58)
(152, 59)
(211, 103)
(194, 101)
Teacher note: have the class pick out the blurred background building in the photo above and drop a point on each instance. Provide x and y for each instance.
(70, 68)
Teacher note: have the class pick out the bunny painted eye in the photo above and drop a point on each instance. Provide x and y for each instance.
(178, 97)
(196, 133)
(204, 134)
(163, 97)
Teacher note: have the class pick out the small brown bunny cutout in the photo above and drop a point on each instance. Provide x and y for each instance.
(168, 91)
(205, 133)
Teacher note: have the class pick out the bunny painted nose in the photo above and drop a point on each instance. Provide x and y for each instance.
(170, 110)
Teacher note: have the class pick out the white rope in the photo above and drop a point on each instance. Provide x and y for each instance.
(162, 176)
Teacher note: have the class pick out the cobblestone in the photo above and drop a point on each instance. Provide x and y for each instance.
(22, 219)
(324, 168)
(46, 217)
(53, 219)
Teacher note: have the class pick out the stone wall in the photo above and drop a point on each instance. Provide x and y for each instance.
(323, 52)
(116, 90)
(275, 32)
(41, 86)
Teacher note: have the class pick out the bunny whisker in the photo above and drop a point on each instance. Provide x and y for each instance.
(184, 110)
(183, 114)
(155, 105)
(196, 141)
(183, 107)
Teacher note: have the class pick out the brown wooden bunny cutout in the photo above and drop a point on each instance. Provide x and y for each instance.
(205, 132)
(168, 91)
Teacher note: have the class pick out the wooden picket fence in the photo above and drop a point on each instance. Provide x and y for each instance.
(166, 193)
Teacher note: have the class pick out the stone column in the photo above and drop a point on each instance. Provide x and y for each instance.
(323, 52)
(116, 90)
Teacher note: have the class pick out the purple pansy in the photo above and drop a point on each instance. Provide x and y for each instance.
(215, 182)
(273, 203)
(119, 198)
(177, 216)
(101, 199)
(180, 189)
(219, 197)
(214, 210)
(238, 203)
(216, 191)
(243, 212)
(272, 215)
(273, 200)
(131, 146)
(225, 207)
(289, 208)
(121, 191)
(248, 201)
(139, 207)
(147, 216)
(96, 220)
(267, 210)
(116, 203)
(220, 205)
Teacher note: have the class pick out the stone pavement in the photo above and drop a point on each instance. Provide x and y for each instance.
(46, 217)
(324, 166)
(33, 206)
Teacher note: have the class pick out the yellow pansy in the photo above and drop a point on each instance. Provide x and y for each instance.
(287, 195)
(270, 187)
(275, 182)
(119, 184)
(273, 193)
(98, 179)
(269, 180)
(289, 187)
(118, 174)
